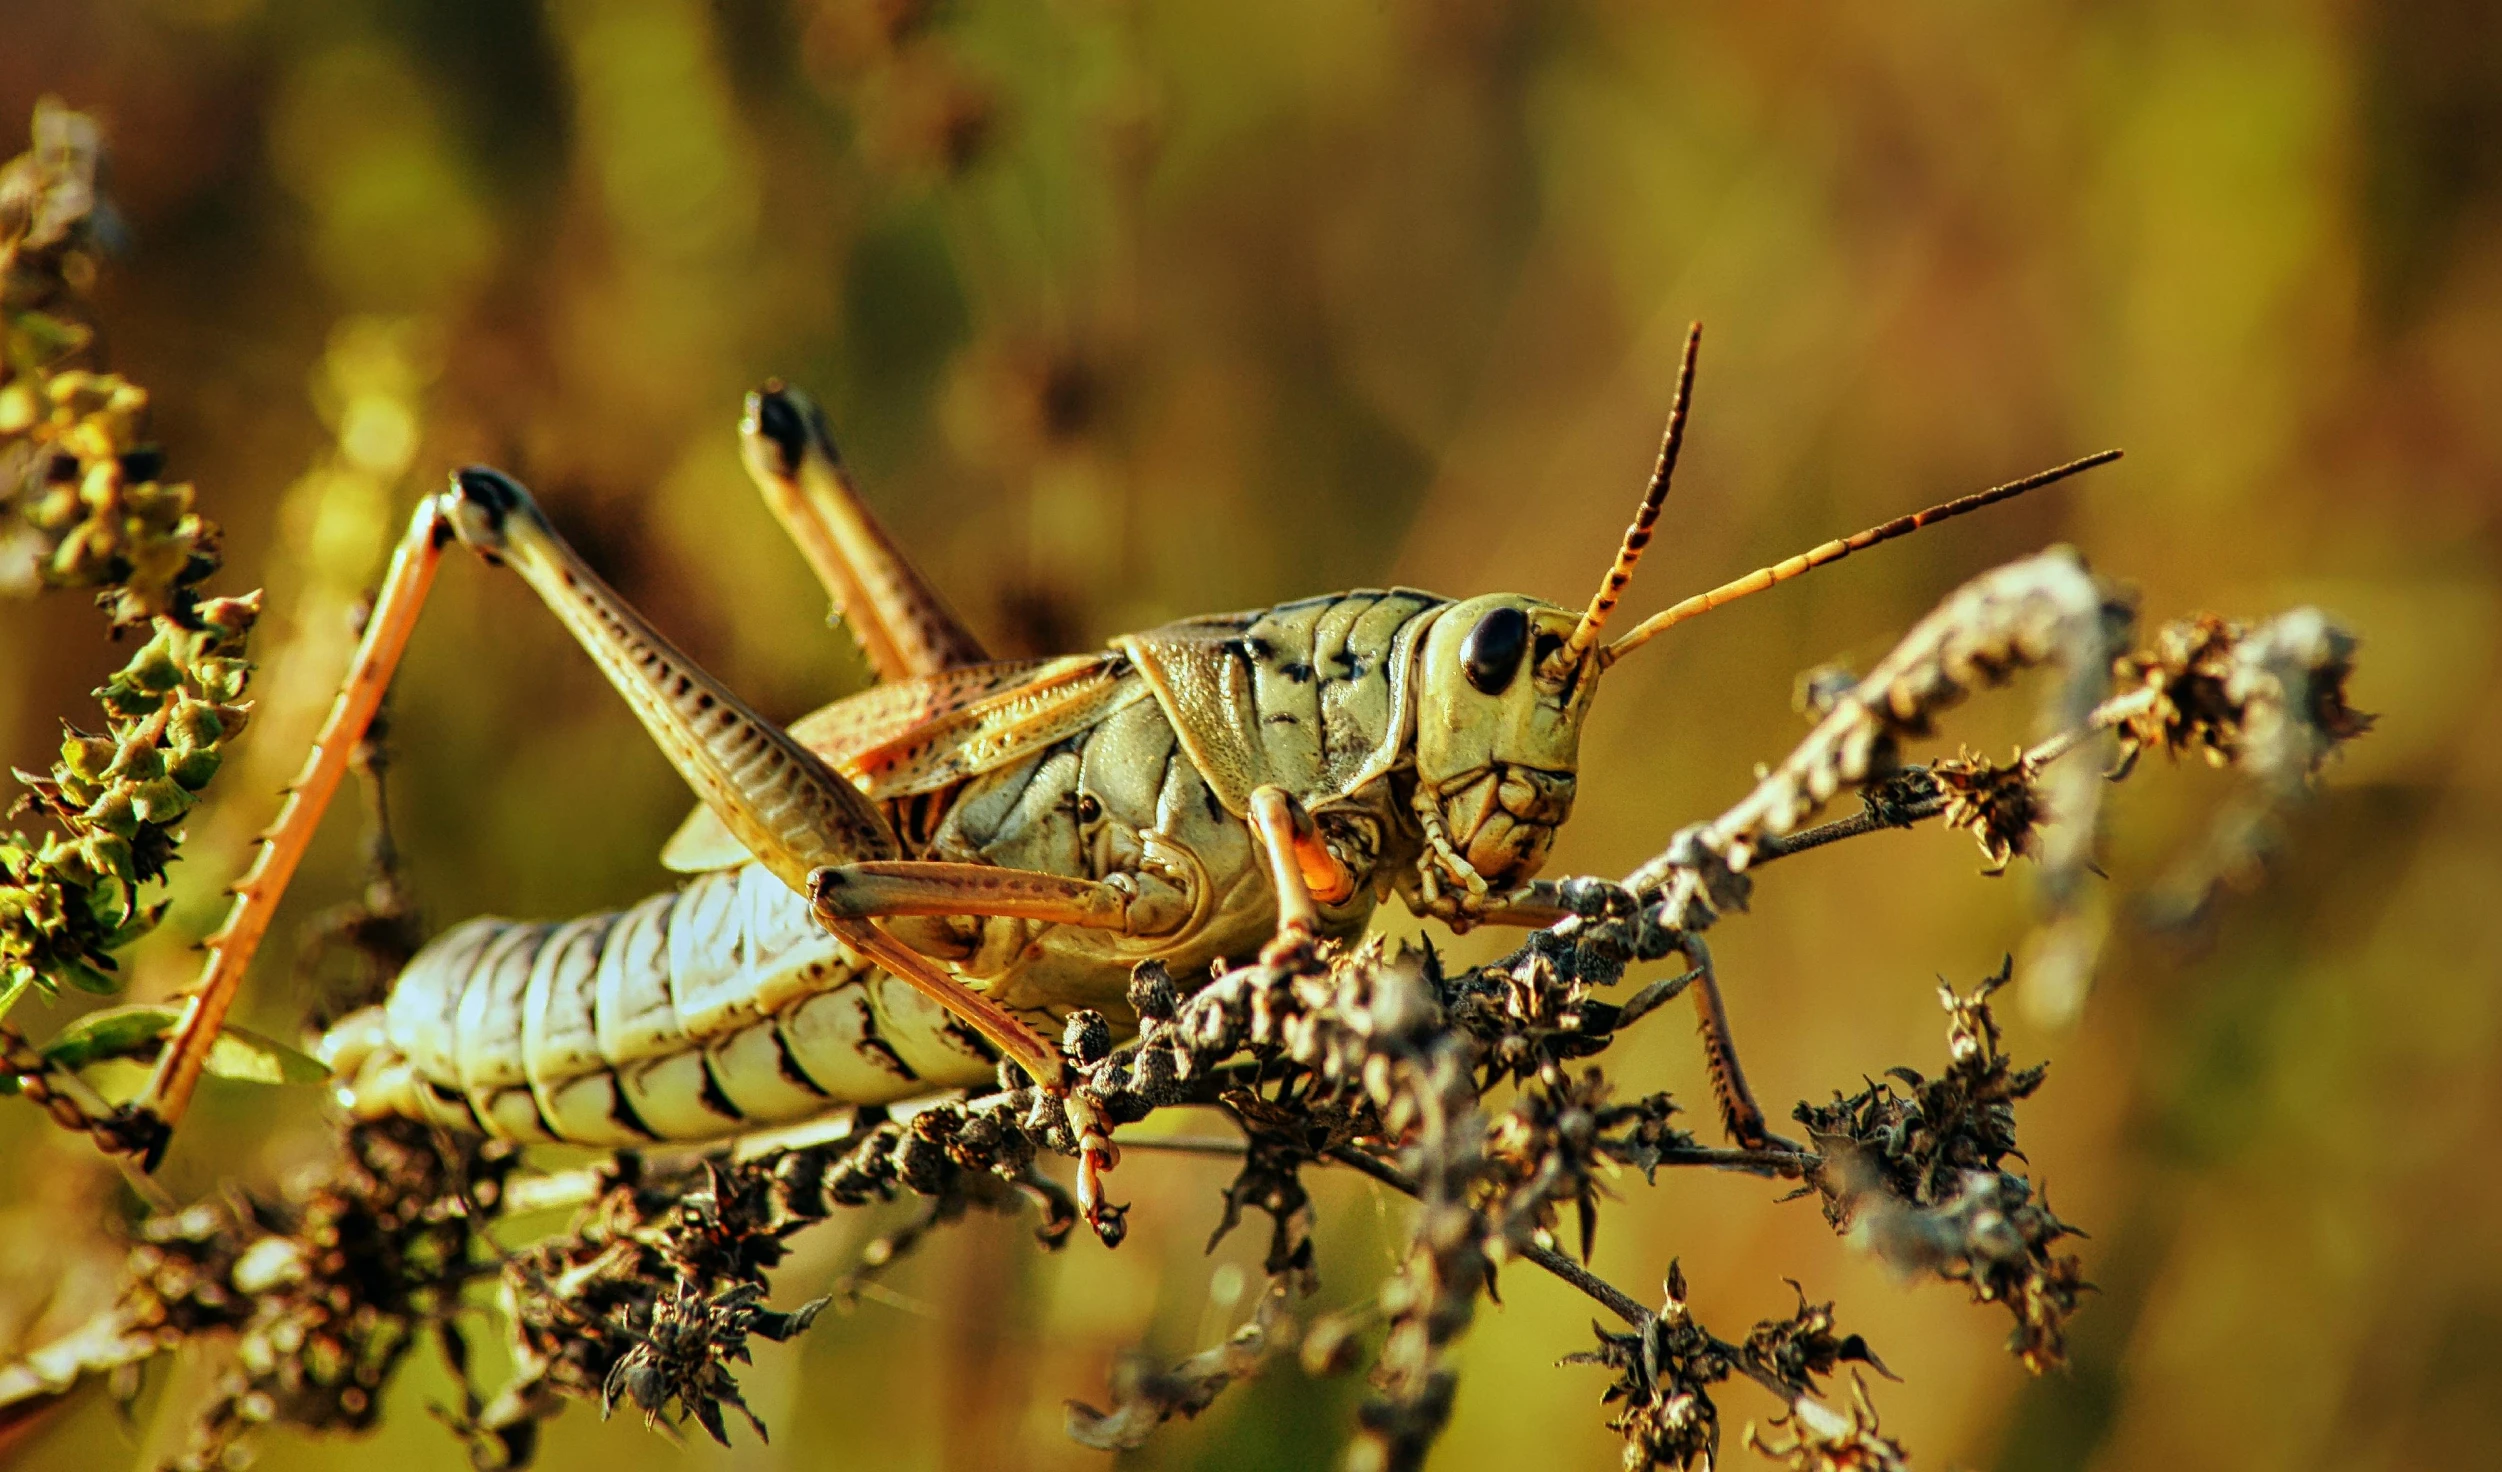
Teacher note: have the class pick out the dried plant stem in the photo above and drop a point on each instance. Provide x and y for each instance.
(1626, 1307)
(2112, 713)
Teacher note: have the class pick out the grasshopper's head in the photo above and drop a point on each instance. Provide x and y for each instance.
(1498, 733)
(1503, 683)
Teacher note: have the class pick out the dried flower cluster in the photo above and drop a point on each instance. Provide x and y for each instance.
(322, 1290)
(1666, 1366)
(1816, 1438)
(1919, 1173)
(2273, 699)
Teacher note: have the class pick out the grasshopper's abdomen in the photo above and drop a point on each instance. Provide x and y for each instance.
(696, 1014)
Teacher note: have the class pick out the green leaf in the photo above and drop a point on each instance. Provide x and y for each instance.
(132, 1032)
(50, 337)
(14, 980)
(88, 978)
(115, 1032)
(248, 1057)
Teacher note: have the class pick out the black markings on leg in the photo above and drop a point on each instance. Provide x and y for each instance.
(779, 420)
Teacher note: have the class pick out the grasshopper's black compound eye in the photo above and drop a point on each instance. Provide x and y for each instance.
(1490, 655)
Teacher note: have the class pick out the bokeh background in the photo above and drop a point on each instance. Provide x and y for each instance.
(1130, 309)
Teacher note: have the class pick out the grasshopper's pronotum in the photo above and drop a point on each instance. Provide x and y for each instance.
(909, 881)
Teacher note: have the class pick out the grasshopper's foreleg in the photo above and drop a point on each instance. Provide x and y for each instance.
(902, 624)
(230, 949)
(783, 803)
(1301, 868)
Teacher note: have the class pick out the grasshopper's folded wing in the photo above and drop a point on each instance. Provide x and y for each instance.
(919, 735)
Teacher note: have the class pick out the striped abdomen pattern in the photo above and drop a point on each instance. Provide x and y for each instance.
(716, 1008)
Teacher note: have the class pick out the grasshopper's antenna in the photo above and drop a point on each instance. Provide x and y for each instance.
(1834, 551)
(1637, 536)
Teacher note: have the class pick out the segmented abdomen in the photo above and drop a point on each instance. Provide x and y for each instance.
(717, 1008)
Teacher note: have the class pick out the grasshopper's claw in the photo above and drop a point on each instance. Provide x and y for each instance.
(1096, 1156)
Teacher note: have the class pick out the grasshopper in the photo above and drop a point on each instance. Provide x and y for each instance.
(899, 891)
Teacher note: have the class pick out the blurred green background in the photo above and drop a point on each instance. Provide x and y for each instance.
(1131, 309)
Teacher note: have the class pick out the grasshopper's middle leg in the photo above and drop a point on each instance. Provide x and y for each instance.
(853, 894)
(902, 624)
(1540, 904)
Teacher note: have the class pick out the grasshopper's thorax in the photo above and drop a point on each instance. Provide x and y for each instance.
(1498, 743)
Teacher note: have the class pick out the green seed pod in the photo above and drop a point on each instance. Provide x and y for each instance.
(195, 769)
(193, 725)
(97, 857)
(229, 619)
(222, 680)
(113, 813)
(160, 801)
(87, 756)
(139, 761)
(154, 669)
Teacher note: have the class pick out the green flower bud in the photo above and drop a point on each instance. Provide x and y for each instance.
(231, 618)
(154, 668)
(139, 761)
(97, 857)
(222, 680)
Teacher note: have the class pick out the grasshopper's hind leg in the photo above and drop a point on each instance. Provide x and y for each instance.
(153, 1115)
(782, 802)
(902, 624)
(779, 799)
